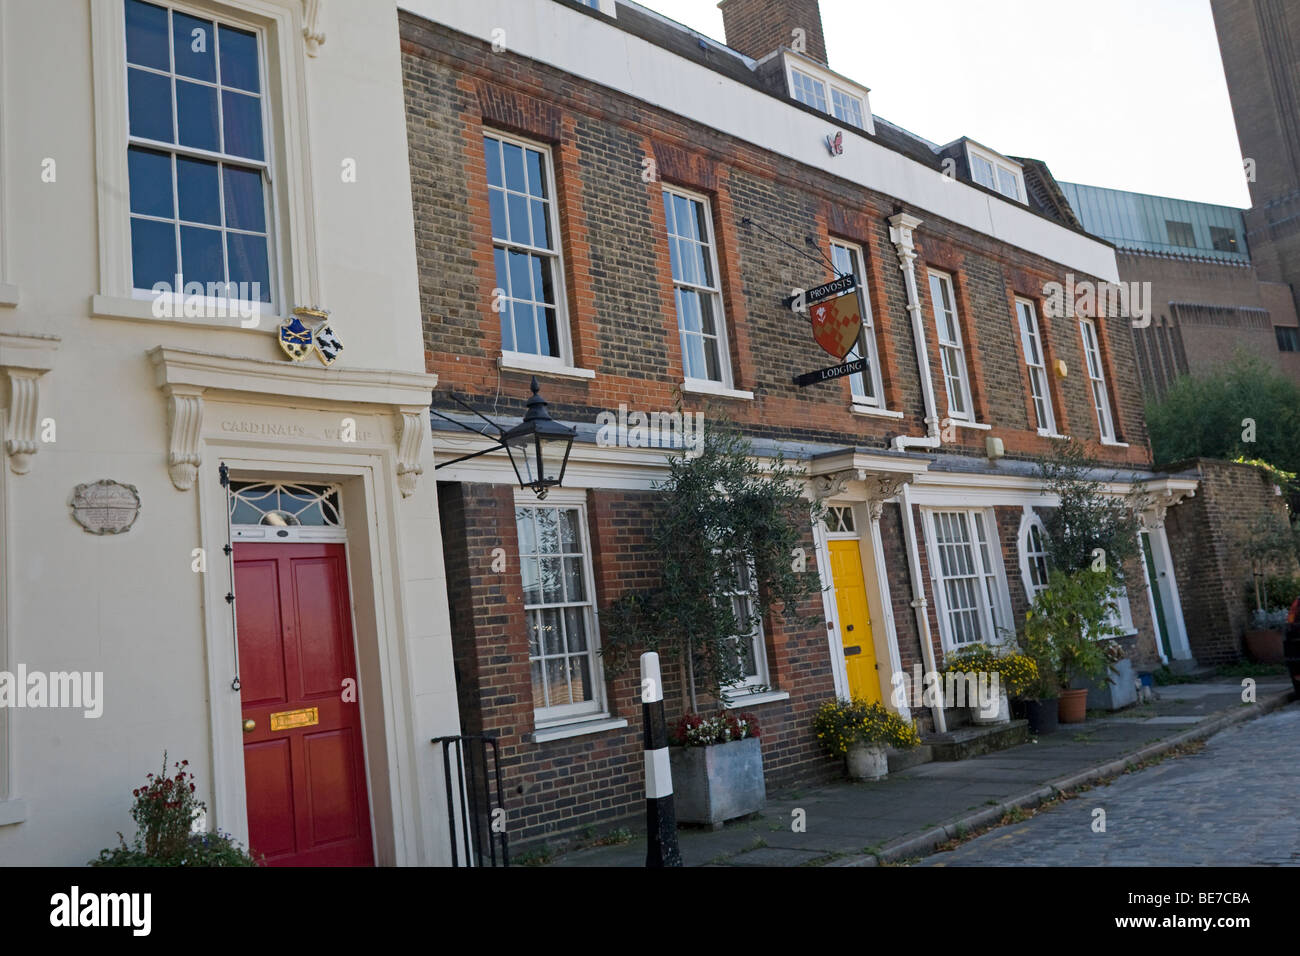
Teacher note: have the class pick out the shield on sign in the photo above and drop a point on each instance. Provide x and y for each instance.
(837, 324)
(295, 338)
(328, 346)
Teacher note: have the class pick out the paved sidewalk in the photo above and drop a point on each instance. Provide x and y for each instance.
(910, 812)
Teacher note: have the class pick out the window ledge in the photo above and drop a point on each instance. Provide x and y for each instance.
(12, 811)
(8, 294)
(980, 426)
(1114, 444)
(704, 387)
(753, 700)
(520, 362)
(141, 310)
(576, 730)
(1044, 433)
(875, 412)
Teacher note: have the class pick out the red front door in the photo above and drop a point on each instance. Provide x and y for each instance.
(304, 763)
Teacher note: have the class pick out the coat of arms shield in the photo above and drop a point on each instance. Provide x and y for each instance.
(837, 324)
(295, 338)
(328, 346)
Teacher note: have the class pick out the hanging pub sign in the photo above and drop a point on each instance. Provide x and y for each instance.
(835, 312)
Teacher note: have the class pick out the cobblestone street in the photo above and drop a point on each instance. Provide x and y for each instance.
(1232, 804)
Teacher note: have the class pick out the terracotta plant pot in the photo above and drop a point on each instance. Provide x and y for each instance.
(1264, 647)
(1073, 706)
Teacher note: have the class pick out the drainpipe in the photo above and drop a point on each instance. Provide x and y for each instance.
(920, 607)
(901, 226)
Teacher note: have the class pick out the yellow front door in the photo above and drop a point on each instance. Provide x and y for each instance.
(854, 621)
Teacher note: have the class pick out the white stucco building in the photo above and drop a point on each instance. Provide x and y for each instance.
(242, 141)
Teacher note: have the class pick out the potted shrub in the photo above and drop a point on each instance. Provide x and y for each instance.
(1014, 674)
(724, 528)
(859, 732)
(166, 812)
(1071, 616)
(1267, 542)
(1040, 697)
(717, 765)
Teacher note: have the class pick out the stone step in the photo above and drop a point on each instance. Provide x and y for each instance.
(965, 742)
(902, 759)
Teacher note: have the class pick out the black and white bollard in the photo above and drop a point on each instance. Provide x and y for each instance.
(660, 816)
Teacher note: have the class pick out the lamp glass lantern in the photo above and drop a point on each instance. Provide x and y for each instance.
(538, 447)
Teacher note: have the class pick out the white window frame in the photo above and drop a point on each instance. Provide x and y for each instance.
(951, 350)
(758, 641)
(293, 240)
(529, 360)
(829, 83)
(1097, 380)
(177, 151)
(1002, 166)
(867, 345)
(1031, 342)
(720, 311)
(993, 610)
(1030, 522)
(802, 84)
(8, 291)
(598, 707)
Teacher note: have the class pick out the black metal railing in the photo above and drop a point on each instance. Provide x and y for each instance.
(476, 809)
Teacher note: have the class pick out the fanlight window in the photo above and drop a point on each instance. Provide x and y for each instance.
(283, 505)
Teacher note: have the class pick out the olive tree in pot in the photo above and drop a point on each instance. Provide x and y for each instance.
(724, 531)
(1066, 626)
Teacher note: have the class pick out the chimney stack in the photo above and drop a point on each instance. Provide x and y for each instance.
(759, 27)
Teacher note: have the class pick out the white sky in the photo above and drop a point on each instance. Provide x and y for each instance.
(1127, 94)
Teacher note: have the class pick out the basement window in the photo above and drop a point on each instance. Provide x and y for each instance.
(1288, 339)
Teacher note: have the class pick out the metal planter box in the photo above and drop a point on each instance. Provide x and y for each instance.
(1119, 691)
(714, 784)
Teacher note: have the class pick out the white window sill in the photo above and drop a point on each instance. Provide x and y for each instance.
(704, 387)
(962, 423)
(576, 730)
(1114, 444)
(8, 294)
(12, 811)
(753, 700)
(1046, 434)
(141, 310)
(522, 362)
(875, 412)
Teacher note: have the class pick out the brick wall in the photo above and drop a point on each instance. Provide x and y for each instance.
(557, 787)
(1206, 536)
(758, 27)
(618, 280)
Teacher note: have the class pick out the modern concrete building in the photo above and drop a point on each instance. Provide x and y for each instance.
(1208, 298)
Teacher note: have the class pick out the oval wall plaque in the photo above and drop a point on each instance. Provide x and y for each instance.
(105, 506)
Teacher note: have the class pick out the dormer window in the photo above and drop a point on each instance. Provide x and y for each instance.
(996, 172)
(603, 6)
(827, 92)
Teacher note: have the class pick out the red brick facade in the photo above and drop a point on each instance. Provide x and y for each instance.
(623, 325)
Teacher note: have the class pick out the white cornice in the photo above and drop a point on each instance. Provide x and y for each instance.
(599, 51)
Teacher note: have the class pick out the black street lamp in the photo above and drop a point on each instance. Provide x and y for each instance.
(538, 446)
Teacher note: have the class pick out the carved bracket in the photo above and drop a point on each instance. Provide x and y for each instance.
(24, 417)
(1153, 516)
(24, 359)
(185, 428)
(311, 31)
(832, 484)
(881, 486)
(412, 424)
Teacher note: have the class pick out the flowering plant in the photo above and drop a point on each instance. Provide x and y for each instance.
(1017, 673)
(165, 812)
(696, 730)
(839, 724)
